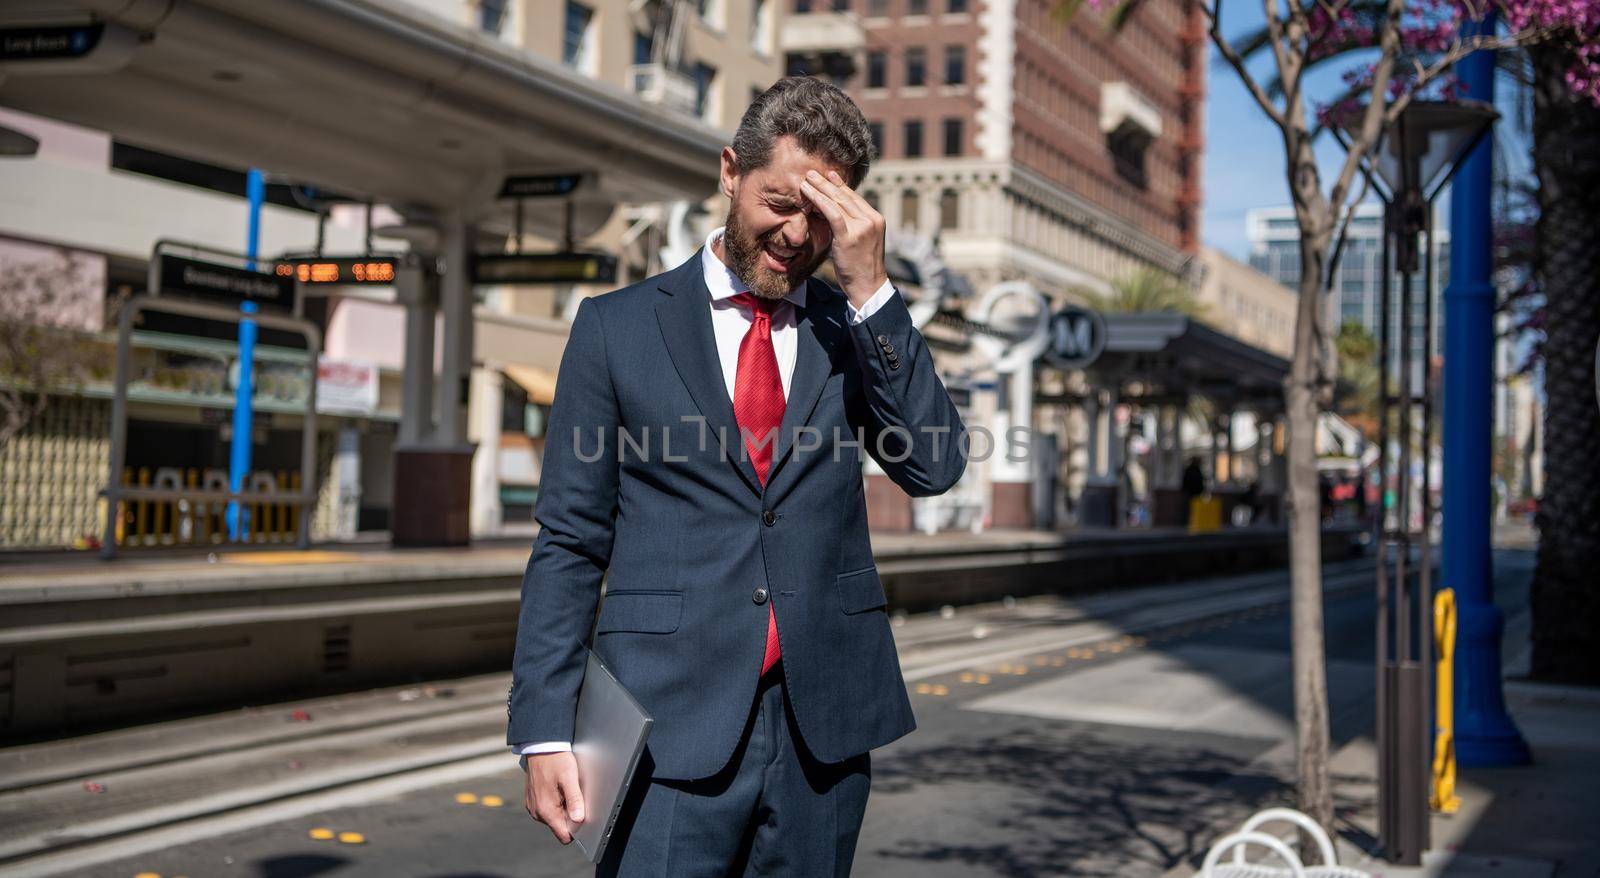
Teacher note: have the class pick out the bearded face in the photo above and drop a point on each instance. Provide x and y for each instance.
(774, 239)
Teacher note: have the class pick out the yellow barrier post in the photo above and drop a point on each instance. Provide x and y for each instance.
(1444, 796)
(141, 517)
(122, 507)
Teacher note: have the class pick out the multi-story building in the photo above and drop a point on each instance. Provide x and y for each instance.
(1246, 304)
(1357, 297)
(1031, 147)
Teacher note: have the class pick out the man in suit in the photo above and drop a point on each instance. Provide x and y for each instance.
(704, 454)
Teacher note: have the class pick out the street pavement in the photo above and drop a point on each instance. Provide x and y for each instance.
(1114, 735)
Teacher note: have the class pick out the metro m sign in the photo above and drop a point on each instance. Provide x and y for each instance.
(1077, 338)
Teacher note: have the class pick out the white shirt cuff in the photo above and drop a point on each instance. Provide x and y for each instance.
(873, 304)
(542, 747)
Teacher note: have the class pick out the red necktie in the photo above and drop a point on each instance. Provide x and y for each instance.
(758, 405)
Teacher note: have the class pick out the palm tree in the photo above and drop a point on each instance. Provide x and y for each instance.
(1356, 395)
(1149, 290)
(1566, 158)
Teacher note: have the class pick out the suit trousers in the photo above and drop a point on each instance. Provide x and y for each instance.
(774, 810)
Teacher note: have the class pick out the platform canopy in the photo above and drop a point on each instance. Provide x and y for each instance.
(379, 99)
(1176, 356)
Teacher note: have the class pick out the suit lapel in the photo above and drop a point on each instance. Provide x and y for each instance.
(819, 329)
(685, 318)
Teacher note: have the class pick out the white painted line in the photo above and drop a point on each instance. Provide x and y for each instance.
(300, 806)
(1208, 610)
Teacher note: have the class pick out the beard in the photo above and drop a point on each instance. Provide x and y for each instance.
(743, 251)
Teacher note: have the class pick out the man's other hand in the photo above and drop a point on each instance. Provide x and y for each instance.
(552, 796)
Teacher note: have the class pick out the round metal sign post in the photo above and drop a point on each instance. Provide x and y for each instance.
(1077, 337)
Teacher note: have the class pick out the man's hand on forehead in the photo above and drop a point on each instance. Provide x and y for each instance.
(858, 231)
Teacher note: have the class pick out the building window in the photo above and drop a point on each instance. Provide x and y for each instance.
(841, 5)
(953, 140)
(916, 66)
(761, 27)
(704, 76)
(913, 139)
(877, 69)
(575, 49)
(641, 48)
(801, 7)
(956, 7)
(876, 130)
(955, 65)
(949, 209)
(916, 7)
(910, 207)
(877, 8)
(871, 197)
(492, 15)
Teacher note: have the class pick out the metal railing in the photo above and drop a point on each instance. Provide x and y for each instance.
(118, 493)
(187, 507)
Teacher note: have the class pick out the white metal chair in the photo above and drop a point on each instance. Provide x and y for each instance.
(1250, 834)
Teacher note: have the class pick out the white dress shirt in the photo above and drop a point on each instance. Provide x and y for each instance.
(730, 322)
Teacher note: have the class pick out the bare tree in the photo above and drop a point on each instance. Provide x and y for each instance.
(43, 309)
(1411, 46)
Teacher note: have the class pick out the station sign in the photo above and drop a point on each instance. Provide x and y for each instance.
(1077, 337)
(339, 270)
(192, 278)
(49, 42)
(544, 268)
(540, 185)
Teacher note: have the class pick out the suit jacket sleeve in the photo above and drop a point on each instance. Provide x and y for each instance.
(912, 428)
(576, 511)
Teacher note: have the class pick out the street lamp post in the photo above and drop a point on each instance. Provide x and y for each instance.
(1484, 732)
(1411, 163)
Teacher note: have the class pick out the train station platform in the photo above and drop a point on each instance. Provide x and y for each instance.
(91, 642)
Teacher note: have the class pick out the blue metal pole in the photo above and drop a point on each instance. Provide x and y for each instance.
(1484, 732)
(239, 451)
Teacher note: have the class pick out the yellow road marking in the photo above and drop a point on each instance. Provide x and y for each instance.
(310, 556)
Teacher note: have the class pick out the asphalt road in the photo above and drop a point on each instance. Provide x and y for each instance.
(1118, 757)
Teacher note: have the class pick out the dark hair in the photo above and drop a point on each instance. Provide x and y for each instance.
(823, 119)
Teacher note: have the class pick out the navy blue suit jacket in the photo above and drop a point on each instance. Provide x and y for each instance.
(646, 485)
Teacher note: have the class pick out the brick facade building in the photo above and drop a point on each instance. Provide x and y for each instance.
(1032, 145)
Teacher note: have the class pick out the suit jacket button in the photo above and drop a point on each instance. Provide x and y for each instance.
(769, 518)
(759, 596)
(888, 348)
(883, 339)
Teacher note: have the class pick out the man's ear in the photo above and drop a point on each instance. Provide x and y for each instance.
(729, 175)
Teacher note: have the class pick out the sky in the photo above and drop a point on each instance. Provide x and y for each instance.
(1244, 161)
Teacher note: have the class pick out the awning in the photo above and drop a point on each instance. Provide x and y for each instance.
(1176, 356)
(537, 383)
(377, 98)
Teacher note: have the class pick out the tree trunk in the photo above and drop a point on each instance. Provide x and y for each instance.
(1302, 398)
(1565, 598)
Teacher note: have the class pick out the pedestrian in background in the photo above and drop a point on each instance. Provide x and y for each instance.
(1194, 486)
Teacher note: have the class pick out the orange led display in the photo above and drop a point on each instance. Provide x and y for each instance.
(355, 270)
